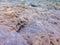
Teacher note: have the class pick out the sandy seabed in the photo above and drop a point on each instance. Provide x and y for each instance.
(29, 24)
